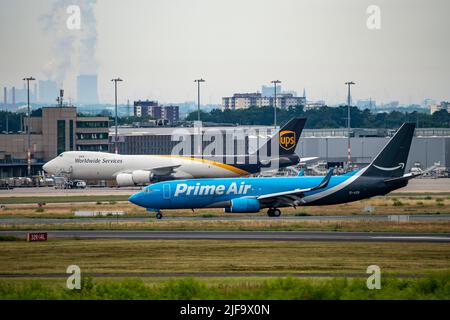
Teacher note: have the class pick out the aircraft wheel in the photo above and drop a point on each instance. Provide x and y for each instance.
(159, 215)
(276, 212)
(270, 212)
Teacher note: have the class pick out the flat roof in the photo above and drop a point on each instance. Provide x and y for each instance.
(333, 132)
(170, 130)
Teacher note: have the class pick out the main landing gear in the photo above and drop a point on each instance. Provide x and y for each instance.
(273, 212)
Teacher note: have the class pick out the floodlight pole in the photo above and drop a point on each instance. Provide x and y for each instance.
(198, 96)
(275, 82)
(348, 84)
(116, 149)
(28, 125)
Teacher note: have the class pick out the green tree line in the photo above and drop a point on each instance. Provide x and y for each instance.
(325, 117)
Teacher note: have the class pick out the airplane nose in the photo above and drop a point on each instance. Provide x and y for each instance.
(48, 167)
(136, 199)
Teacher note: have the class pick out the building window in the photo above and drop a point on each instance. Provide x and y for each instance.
(92, 124)
(61, 136)
(71, 134)
(92, 136)
(93, 147)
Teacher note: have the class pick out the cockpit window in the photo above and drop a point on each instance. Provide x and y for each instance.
(148, 190)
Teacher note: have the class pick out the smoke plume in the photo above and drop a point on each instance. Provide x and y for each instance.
(70, 47)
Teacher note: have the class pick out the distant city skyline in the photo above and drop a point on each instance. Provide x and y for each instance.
(159, 47)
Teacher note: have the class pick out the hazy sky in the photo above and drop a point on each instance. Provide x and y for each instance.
(160, 46)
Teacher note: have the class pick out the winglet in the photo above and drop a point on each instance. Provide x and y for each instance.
(325, 180)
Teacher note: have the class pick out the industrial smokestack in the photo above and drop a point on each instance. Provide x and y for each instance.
(35, 92)
(14, 97)
(5, 101)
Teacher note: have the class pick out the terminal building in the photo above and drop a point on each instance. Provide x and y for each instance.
(56, 130)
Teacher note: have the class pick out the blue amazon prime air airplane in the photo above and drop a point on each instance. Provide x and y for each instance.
(244, 195)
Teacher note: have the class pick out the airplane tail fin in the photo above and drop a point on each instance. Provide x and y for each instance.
(287, 138)
(391, 161)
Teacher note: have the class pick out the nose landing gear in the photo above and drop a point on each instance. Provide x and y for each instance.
(158, 213)
(273, 212)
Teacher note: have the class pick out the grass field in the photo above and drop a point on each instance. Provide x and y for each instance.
(236, 257)
(434, 286)
(215, 256)
(431, 262)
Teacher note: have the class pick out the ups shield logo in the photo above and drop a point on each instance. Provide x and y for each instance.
(287, 139)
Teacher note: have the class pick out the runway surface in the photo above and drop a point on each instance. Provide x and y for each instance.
(52, 192)
(246, 235)
(19, 220)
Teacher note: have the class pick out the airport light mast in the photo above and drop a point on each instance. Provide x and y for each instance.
(116, 150)
(348, 84)
(275, 82)
(198, 96)
(28, 125)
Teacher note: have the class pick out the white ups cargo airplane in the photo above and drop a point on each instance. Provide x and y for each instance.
(133, 170)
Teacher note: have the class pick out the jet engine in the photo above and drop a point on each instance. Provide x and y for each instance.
(138, 177)
(142, 177)
(124, 180)
(244, 205)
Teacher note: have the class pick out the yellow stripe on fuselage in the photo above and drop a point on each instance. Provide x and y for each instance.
(214, 163)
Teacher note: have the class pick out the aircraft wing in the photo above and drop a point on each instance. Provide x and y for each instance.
(307, 159)
(157, 171)
(292, 197)
(164, 171)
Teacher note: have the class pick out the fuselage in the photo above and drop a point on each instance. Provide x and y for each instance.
(218, 193)
(130, 170)
(87, 165)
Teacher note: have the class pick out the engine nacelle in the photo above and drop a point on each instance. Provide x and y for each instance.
(138, 177)
(141, 177)
(244, 205)
(124, 180)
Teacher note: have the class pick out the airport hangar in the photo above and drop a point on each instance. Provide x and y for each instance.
(429, 146)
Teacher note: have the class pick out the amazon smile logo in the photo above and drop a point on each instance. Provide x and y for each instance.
(401, 165)
(287, 139)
